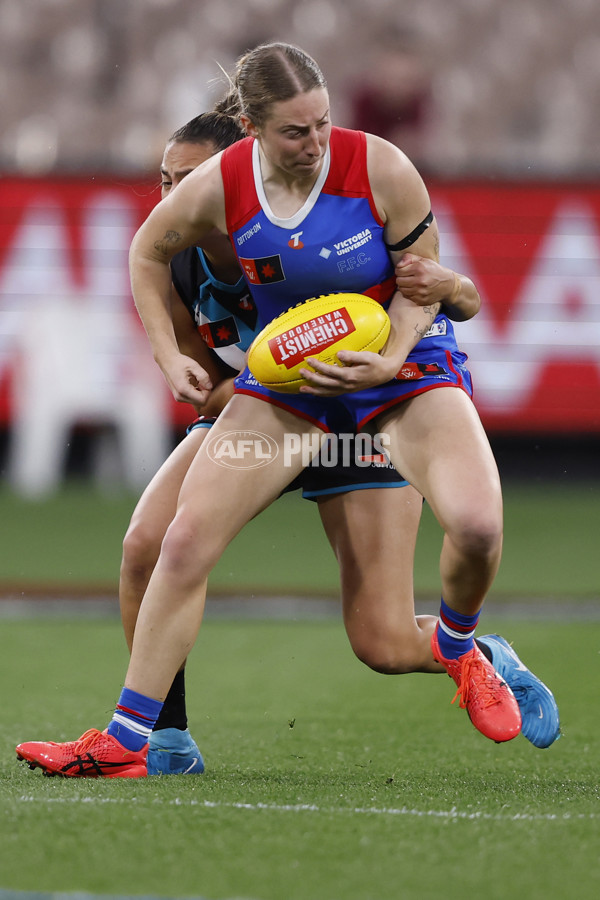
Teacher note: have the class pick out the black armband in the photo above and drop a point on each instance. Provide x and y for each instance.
(412, 237)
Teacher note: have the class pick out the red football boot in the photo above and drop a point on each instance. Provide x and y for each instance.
(95, 754)
(490, 703)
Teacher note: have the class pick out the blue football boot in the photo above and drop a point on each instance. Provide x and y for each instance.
(173, 752)
(539, 712)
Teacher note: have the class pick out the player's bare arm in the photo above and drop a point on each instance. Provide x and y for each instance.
(420, 277)
(425, 281)
(403, 203)
(191, 344)
(181, 220)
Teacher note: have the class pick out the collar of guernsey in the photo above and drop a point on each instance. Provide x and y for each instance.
(333, 243)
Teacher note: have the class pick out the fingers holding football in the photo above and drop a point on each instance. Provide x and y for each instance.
(359, 370)
(423, 280)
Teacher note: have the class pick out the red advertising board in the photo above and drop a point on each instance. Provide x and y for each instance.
(532, 249)
(534, 252)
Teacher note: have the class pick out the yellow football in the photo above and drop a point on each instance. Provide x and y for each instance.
(317, 327)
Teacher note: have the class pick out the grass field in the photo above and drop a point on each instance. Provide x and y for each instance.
(324, 781)
(74, 540)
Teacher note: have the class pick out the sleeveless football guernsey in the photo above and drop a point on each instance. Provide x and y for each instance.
(334, 243)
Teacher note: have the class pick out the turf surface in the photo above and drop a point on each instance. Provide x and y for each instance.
(74, 539)
(324, 780)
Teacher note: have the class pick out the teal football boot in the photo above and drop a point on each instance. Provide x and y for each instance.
(539, 712)
(173, 752)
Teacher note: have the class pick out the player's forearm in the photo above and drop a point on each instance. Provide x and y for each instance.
(463, 301)
(410, 323)
(151, 288)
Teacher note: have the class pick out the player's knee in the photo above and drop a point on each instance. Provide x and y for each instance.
(188, 551)
(478, 535)
(385, 656)
(141, 547)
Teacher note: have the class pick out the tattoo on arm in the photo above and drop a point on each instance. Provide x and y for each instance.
(430, 312)
(165, 246)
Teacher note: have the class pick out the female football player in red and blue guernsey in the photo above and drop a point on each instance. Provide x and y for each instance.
(349, 514)
(295, 173)
(211, 298)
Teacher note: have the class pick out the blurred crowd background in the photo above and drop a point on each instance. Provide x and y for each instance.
(466, 86)
(494, 100)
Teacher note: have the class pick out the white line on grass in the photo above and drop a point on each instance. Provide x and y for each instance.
(452, 813)
(83, 895)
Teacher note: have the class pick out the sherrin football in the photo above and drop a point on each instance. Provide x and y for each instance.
(317, 327)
